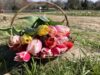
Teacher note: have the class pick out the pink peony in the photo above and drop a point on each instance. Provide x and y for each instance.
(62, 39)
(34, 47)
(22, 56)
(62, 30)
(53, 31)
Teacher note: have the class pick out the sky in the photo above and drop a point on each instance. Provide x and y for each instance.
(94, 0)
(62, 0)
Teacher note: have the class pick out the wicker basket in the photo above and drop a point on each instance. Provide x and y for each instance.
(52, 4)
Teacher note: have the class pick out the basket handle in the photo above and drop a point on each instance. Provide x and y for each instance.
(52, 4)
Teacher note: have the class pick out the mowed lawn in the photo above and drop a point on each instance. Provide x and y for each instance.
(82, 59)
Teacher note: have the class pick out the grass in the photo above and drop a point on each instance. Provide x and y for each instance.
(85, 66)
(89, 65)
(73, 13)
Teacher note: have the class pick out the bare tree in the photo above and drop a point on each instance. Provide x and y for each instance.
(97, 5)
(74, 4)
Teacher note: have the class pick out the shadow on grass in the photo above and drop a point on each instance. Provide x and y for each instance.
(7, 63)
(6, 59)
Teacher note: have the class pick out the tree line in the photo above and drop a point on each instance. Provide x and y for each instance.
(67, 4)
(79, 4)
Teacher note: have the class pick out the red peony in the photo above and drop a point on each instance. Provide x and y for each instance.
(69, 44)
(50, 42)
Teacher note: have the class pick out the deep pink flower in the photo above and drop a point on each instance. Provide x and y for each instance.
(62, 30)
(62, 48)
(34, 47)
(22, 56)
(55, 51)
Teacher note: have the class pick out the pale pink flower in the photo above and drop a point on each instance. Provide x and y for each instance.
(62, 30)
(62, 39)
(34, 46)
(14, 40)
(22, 56)
(53, 31)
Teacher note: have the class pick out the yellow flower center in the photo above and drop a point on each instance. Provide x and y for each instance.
(26, 39)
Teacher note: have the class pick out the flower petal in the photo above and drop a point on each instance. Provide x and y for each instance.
(22, 56)
(34, 47)
(62, 30)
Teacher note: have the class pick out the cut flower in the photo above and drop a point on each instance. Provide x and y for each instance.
(50, 42)
(34, 46)
(22, 56)
(43, 30)
(26, 39)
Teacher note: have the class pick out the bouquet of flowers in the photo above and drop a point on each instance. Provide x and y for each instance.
(45, 39)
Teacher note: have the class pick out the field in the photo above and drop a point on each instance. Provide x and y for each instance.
(82, 59)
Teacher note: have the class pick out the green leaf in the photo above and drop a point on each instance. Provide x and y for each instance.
(44, 19)
(55, 23)
(7, 30)
(30, 19)
(29, 31)
(10, 30)
(15, 31)
(40, 21)
(51, 22)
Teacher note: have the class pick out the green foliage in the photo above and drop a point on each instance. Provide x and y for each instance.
(30, 69)
(84, 66)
